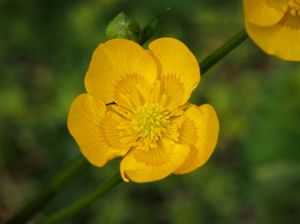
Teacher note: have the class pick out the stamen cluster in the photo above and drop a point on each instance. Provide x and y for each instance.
(150, 120)
(293, 7)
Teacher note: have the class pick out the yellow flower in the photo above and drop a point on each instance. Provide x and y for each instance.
(136, 107)
(274, 25)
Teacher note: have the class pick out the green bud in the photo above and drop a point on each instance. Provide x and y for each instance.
(123, 26)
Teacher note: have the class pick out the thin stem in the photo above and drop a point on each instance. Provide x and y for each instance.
(54, 187)
(84, 201)
(222, 51)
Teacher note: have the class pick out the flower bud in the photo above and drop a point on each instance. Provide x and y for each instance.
(123, 26)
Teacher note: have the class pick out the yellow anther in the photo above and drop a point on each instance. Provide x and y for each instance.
(294, 7)
(293, 12)
(150, 119)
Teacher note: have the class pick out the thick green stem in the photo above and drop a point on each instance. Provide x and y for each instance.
(43, 198)
(84, 201)
(222, 51)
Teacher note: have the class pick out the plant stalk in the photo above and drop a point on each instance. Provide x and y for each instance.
(49, 192)
(222, 51)
(86, 200)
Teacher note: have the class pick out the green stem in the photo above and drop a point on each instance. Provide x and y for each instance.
(43, 198)
(84, 201)
(222, 51)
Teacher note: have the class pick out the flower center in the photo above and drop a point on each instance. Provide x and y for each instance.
(150, 120)
(294, 7)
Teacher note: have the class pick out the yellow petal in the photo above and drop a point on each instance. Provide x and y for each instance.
(176, 60)
(84, 122)
(112, 62)
(132, 92)
(264, 12)
(281, 40)
(157, 163)
(172, 91)
(117, 132)
(199, 130)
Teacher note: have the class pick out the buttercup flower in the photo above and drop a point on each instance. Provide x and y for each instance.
(274, 25)
(136, 107)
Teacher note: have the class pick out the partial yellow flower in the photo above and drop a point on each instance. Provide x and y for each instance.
(136, 107)
(274, 25)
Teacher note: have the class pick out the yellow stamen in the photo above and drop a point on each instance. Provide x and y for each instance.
(294, 7)
(150, 120)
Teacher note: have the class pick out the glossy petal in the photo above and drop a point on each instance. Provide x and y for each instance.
(84, 121)
(199, 130)
(145, 166)
(117, 132)
(172, 91)
(264, 12)
(176, 60)
(281, 40)
(132, 92)
(112, 62)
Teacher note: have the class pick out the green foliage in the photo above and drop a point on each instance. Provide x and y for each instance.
(253, 176)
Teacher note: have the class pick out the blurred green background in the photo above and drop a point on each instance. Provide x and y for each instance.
(254, 174)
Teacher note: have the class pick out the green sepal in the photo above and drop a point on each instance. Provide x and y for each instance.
(122, 26)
